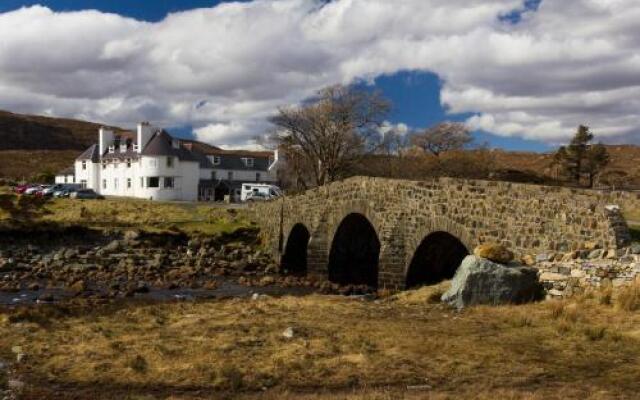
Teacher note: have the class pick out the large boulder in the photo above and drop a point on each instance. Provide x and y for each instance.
(481, 281)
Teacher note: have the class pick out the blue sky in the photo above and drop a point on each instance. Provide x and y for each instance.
(510, 71)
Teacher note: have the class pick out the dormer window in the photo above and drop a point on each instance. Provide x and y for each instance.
(248, 162)
(112, 149)
(216, 160)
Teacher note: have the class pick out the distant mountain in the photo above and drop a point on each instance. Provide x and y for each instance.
(29, 132)
(31, 145)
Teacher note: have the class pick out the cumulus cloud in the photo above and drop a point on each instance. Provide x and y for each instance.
(225, 69)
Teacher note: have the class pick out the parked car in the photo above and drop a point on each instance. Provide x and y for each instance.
(64, 193)
(33, 189)
(50, 190)
(265, 191)
(85, 194)
(20, 189)
(259, 196)
(42, 191)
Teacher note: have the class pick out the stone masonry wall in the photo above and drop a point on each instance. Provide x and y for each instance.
(526, 218)
(564, 275)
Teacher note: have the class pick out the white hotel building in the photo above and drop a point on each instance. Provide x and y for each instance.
(151, 164)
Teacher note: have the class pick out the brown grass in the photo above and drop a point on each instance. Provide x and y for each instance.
(628, 298)
(401, 347)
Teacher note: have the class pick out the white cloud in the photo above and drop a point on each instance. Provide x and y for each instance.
(225, 69)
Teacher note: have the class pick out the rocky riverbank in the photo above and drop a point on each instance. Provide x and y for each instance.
(102, 264)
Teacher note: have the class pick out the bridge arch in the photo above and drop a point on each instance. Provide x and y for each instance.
(435, 251)
(355, 252)
(436, 259)
(294, 259)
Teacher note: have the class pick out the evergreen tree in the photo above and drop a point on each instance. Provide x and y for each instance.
(580, 157)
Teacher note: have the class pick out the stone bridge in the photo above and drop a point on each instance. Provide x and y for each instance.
(399, 234)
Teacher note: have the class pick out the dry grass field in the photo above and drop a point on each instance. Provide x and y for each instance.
(404, 346)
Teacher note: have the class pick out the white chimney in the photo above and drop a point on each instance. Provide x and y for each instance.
(145, 132)
(275, 159)
(106, 138)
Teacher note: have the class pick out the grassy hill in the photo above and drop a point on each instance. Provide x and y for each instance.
(34, 144)
(623, 158)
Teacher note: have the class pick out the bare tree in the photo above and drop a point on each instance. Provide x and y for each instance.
(446, 136)
(326, 137)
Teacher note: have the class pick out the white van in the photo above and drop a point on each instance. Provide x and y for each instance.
(254, 191)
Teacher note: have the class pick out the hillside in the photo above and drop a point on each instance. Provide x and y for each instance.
(35, 144)
(32, 145)
(623, 158)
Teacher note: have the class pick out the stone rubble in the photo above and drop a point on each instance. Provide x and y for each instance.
(567, 274)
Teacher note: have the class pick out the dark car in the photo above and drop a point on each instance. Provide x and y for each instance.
(86, 194)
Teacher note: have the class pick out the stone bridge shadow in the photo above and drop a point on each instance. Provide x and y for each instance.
(400, 234)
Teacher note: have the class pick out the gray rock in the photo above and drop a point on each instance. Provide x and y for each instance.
(131, 235)
(15, 384)
(595, 254)
(542, 257)
(480, 281)
(112, 247)
(635, 248)
(288, 333)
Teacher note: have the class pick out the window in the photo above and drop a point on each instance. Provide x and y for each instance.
(217, 160)
(115, 183)
(141, 182)
(169, 162)
(128, 163)
(248, 162)
(104, 165)
(84, 165)
(153, 182)
(128, 183)
(65, 179)
(258, 176)
(115, 163)
(230, 175)
(104, 183)
(168, 183)
(83, 184)
(214, 175)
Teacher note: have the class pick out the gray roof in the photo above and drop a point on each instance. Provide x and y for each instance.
(161, 145)
(92, 153)
(234, 161)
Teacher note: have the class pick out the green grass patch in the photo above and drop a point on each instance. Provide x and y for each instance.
(191, 218)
